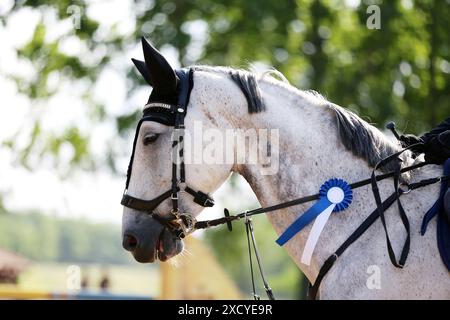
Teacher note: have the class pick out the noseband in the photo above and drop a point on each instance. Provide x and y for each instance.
(180, 224)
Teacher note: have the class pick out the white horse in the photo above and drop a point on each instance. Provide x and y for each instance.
(317, 140)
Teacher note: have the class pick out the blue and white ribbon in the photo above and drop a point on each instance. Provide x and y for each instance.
(335, 195)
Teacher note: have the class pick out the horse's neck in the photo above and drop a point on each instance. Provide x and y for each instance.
(311, 154)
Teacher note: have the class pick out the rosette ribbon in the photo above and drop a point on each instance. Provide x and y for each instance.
(335, 195)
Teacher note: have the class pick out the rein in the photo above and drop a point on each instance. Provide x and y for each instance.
(230, 218)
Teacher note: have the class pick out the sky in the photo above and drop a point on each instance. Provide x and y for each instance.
(91, 195)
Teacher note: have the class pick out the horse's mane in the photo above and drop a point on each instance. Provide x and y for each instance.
(359, 137)
(364, 140)
(247, 82)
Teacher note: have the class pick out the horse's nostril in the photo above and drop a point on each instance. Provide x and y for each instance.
(129, 242)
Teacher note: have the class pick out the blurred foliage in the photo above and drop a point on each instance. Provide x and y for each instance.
(400, 72)
(48, 238)
(125, 279)
(326, 46)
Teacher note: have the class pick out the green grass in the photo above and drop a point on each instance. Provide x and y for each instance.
(126, 279)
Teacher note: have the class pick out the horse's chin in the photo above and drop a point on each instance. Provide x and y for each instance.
(166, 247)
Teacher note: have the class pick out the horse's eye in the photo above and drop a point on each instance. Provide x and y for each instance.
(150, 138)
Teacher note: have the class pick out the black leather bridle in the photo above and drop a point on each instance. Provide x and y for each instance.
(180, 224)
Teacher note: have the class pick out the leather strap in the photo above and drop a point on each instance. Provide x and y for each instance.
(313, 290)
(406, 246)
(172, 115)
(251, 240)
(144, 205)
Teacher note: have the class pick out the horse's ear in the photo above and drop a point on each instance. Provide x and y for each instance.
(163, 76)
(142, 68)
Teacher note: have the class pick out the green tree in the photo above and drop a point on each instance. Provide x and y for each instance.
(399, 72)
(47, 238)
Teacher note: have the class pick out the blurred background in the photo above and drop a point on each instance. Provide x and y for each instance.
(70, 100)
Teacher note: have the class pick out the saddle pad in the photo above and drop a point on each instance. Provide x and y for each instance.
(441, 208)
(443, 239)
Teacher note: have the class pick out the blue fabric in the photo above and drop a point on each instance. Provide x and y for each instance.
(318, 208)
(348, 193)
(304, 220)
(438, 206)
(443, 239)
(443, 227)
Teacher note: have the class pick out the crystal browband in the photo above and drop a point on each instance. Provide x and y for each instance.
(157, 105)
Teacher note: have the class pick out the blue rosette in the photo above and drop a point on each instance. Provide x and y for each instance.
(344, 186)
(334, 192)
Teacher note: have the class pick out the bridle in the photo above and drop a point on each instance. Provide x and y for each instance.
(179, 223)
(182, 224)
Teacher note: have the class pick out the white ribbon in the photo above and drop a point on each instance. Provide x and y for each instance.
(335, 195)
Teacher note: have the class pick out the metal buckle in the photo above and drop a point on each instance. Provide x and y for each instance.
(405, 191)
(206, 201)
(191, 221)
(178, 223)
(182, 186)
(247, 218)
